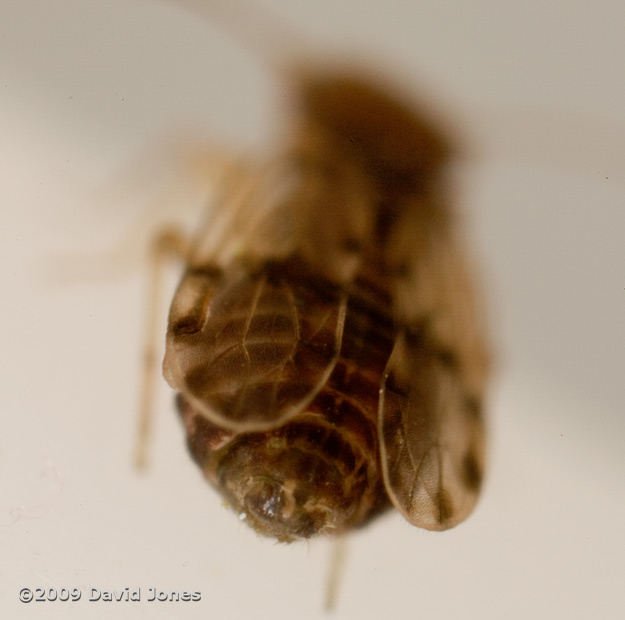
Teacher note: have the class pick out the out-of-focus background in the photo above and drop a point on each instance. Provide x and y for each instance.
(96, 99)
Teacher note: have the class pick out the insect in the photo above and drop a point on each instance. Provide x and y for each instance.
(323, 341)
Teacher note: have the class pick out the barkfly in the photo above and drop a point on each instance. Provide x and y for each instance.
(323, 341)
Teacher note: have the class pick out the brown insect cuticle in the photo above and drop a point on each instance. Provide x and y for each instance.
(323, 347)
(473, 474)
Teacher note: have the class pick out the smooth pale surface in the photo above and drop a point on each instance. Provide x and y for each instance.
(87, 87)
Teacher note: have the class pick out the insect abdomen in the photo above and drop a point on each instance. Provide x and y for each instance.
(320, 471)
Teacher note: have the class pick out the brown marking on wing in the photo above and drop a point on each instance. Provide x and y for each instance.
(267, 345)
(431, 441)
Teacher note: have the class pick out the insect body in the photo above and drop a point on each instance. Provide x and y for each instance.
(323, 340)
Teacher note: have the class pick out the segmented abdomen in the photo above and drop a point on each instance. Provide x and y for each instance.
(318, 472)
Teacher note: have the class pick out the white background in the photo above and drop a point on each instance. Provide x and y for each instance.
(90, 94)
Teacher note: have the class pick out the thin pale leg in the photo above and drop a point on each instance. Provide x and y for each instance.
(167, 244)
(336, 571)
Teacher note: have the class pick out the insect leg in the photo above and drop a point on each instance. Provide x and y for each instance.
(167, 244)
(337, 566)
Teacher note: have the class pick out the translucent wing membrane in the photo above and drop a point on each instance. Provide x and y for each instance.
(256, 325)
(433, 287)
(254, 350)
(431, 436)
(319, 208)
(430, 420)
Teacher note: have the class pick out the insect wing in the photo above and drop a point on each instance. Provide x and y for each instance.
(318, 207)
(430, 426)
(261, 352)
(256, 325)
(431, 440)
